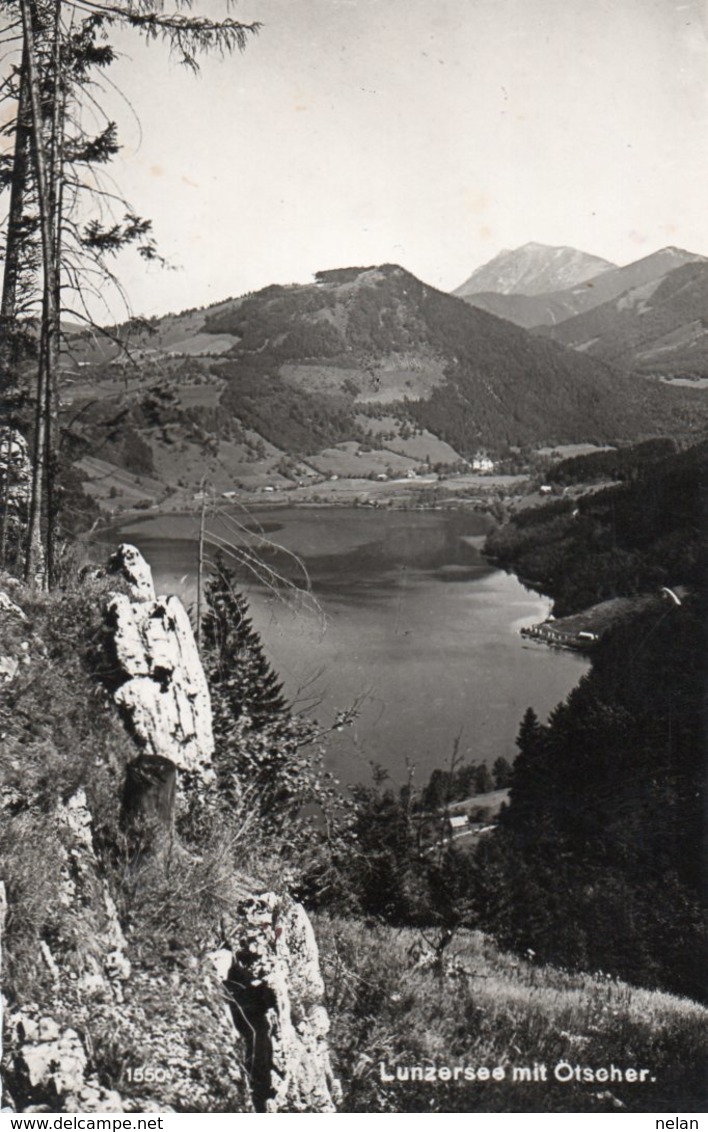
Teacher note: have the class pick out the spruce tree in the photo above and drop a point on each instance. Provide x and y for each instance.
(238, 667)
(266, 757)
(501, 772)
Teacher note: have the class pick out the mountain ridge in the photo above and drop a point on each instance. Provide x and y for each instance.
(659, 327)
(555, 306)
(363, 373)
(430, 350)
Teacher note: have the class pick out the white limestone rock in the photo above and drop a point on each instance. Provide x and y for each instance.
(164, 696)
(84, 892)
(7, 605)
(50, 1064)
(9, 667)
(274, 946)
(129, 562)
(15, 466)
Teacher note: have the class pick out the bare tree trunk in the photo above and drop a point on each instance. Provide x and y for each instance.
(35, 567)
(56, 163)
(15, 233)
(14, 245)
(200, 566)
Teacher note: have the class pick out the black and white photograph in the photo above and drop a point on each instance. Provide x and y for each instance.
(353, 571)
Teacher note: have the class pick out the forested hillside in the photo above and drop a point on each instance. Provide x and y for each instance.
(600, 858)
(618, 541)
(382, 335)
(625, 463)
(655, 328)
(599, 862)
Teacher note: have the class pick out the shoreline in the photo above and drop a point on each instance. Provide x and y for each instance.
(583, 631)
(479, 493)
(135, 516)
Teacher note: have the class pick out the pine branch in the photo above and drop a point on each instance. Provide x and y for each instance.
(189, 36)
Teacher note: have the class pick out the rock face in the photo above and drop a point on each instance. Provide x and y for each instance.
(51, 1068)
(85, 893)
(248, 1033)
(130, 564)
(3, 915)
(534, 269)
(161, 689)
(270, 967)
(7, 605)
(11, 613)
(276, 990)
(15, 474)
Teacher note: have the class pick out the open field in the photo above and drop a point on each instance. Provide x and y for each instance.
(112, 486)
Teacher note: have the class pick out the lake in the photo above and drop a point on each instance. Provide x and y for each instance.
(405, 619)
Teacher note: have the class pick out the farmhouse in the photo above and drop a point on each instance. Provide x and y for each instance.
(456, 822)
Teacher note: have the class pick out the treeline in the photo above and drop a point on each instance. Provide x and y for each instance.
(620, 541)
(446, 786)
(612, 464)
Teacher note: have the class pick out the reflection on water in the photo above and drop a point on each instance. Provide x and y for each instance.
(415, 626)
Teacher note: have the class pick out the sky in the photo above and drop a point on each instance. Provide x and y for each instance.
(430, 133)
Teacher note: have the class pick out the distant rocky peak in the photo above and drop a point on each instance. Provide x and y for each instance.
(534, 269)
(674, 256)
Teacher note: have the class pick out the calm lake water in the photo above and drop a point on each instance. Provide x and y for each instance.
(406, 619)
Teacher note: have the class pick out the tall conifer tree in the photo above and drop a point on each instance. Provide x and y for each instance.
(237, 664)
(49, 245)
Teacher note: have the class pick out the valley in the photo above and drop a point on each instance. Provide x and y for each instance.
(369, 386)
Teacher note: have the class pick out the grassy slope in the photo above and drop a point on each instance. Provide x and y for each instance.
(491, 1009)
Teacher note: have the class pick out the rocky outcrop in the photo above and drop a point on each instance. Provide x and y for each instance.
(3, 915)
(10, 665)
(50, 1069)
(85, 893)
(270, 966)
(246, 1033)
(159, 683)
(128, 562)
(7, 605)
(15, 479)
(275, 988)
(47, 1067)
